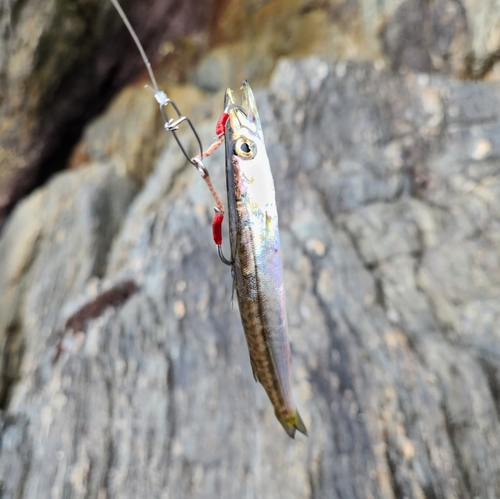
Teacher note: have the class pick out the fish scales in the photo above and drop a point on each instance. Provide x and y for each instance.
(262, 320)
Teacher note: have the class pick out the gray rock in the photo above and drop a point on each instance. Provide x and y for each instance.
(214, 72)
(59, 238)
(427, 36)
(387, 191)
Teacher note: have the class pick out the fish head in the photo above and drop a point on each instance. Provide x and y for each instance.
(248, 171)
(244, 138)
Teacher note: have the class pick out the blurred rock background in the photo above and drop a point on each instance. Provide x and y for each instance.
(124, 368)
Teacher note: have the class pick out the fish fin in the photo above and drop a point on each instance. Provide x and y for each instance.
(233, 287)
(254, 369)
(299, 424)
(291, 423)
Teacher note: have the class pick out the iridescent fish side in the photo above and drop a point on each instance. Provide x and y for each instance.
(256, 253)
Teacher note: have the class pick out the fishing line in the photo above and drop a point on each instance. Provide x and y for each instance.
(138, 43)
(172, 126)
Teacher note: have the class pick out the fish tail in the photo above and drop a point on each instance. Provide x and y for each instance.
(292, 422)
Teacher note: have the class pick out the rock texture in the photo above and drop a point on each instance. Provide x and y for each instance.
(427, 36)
(125, 367)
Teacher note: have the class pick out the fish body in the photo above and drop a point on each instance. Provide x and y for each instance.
(256, 256)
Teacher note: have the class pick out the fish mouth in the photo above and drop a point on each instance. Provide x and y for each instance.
(249, 105)
(228, 99)
(244, 115)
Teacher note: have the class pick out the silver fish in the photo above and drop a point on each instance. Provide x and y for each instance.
(256, 256)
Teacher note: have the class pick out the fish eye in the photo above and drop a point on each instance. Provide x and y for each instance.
(244, 148)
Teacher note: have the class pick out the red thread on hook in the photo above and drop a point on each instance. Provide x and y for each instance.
(217, 227)
(220, 128)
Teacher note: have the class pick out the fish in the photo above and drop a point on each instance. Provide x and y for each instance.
(256, 256)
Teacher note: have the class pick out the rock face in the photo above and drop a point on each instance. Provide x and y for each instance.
(61, 61)
(125, 367)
